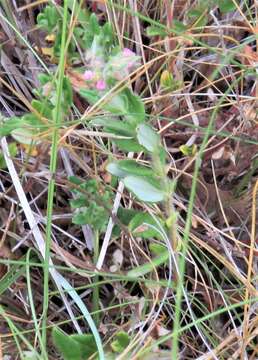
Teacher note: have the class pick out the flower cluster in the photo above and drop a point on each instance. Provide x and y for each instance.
(101, 72)
(122, 64)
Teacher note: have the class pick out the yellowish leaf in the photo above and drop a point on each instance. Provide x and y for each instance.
(31, 150)
(50, 38)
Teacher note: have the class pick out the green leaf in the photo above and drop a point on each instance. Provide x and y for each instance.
(118, 104)
(82, 14)
(134, 168)
(199, 15)
(78, 203)
(188, 150)
(157, 249)
(68, 347)
(91, 96)
(171, 220)
(94, 215)
(143, 189)
(12, 147)
(44, 78)
(148, 138)
(149, 267)
(126, 215)
(201, 22)
(9, 125)
(139, 226)
(115, 170)
(82, 218)
(107, 34)
(57, 44)
(75, 180)
(195, 13)
(128, 145)
(31, 120)
(156, 31)
(67, 93)
(179, 26)
(90, 210)
(117, 127)
(43, 108)
(23, 135)
(87, 39)
(121, 342)
(30, 126)
(129, 167)
(226, 6)
(48, 18)
(87, 344)
(136, 110)
(94, 27)
(13, 274)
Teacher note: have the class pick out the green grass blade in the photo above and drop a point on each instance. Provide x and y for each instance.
(53, 165)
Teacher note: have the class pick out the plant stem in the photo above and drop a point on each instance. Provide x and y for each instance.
(95, 299)
(188, 224)
(53, 163)
(160, 170)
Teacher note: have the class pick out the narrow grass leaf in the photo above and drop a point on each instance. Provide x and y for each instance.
(149, 267)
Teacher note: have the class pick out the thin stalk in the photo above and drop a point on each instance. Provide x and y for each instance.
(53, 164)
(160, 169)
(188, 224)
(95, 298)
(17, 334)
(32, 307)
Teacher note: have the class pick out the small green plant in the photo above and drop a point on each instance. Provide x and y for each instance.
(198, 14)
(124, 116)
(149, 183)
(108, 67)
(36, 126)
(50, 20)
(92, 204)
(12, 147)
(167, 81)
(82, 347)
(74, 347)
(196, 17)
(88, 199)
(226, 6)
(121, 341)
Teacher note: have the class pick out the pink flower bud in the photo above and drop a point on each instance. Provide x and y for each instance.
(88, 75)
(130, 65)
(101, 85)
(128, 52)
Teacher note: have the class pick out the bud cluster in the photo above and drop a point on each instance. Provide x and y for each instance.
(101, 72)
